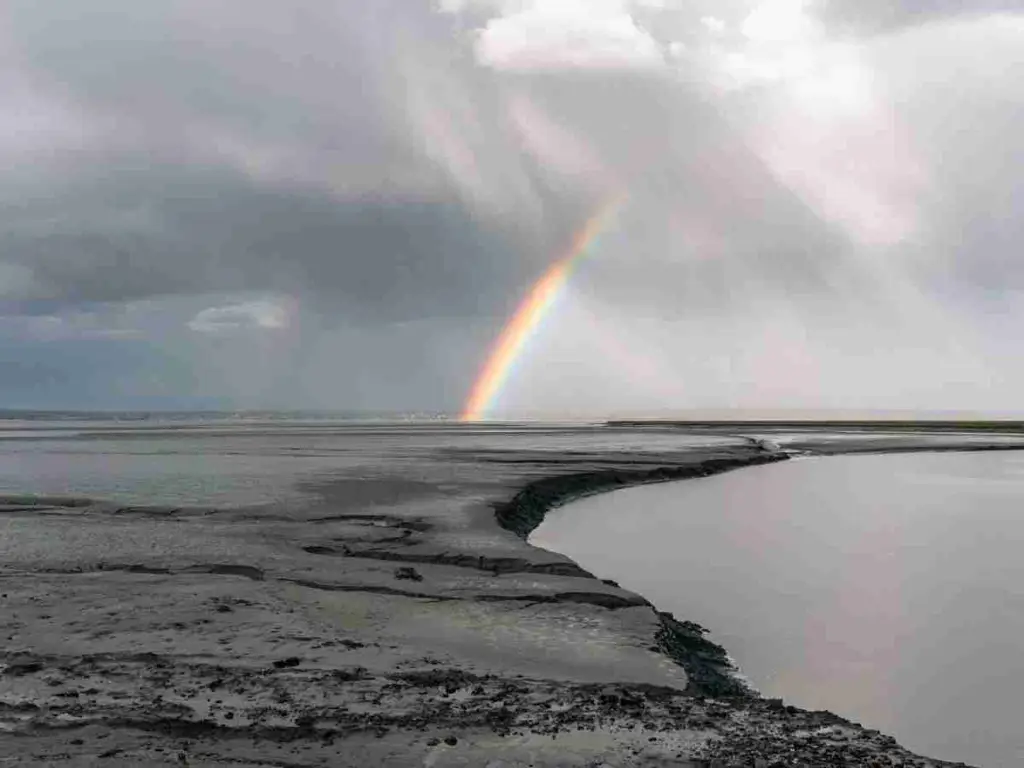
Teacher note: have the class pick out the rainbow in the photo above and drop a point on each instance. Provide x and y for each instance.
(523, 325)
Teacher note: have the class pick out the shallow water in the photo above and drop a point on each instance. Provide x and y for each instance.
(221, 460)
(888, 589)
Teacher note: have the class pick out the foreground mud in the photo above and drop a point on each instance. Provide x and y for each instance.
(399, 619)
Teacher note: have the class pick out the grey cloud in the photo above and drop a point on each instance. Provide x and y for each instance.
(212, 231)
(250, 315)
(871, 16)
(347, 151)
(355, 156)
(961, 97)
(381, 208)
(99, 373)
(700, 222)
(285, 72)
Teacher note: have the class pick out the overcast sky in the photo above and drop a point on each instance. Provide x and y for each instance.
(338, 203)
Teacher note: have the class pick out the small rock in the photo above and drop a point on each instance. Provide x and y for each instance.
(291, 661)
(451, 741)
(408, 573)
(433, 742)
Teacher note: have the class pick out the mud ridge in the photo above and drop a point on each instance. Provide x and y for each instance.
(599, 599)
(526, 510)
(380, 590)
(250, 572)
(495, 565)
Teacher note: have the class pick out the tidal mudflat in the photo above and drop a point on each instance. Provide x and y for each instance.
(375, 603)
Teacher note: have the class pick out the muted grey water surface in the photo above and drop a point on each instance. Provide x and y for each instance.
(189, 460)
(889, 589)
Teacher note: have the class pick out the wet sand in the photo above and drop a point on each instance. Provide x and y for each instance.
(398, 617)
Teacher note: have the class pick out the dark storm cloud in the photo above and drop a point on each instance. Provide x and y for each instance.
(356, 153)
(302, 72)
(351, 152)
(339, 203)
(210, 230)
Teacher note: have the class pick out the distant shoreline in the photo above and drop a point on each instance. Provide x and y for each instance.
(901, 425)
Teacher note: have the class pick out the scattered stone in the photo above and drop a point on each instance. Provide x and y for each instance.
(408, 573)
(291, 661)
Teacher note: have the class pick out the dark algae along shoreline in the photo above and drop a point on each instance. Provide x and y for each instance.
(707, 664)
(397, 616)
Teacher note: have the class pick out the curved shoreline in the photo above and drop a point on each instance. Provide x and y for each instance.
(710, 669)
(707, 664)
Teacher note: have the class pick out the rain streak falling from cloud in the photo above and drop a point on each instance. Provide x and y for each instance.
(339, 204)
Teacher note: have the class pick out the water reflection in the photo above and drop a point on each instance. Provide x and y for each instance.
(889, 589)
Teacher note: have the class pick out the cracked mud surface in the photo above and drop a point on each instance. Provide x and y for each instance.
(392, 621)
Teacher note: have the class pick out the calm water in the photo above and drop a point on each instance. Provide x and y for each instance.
(889, 589)
(222, 459)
